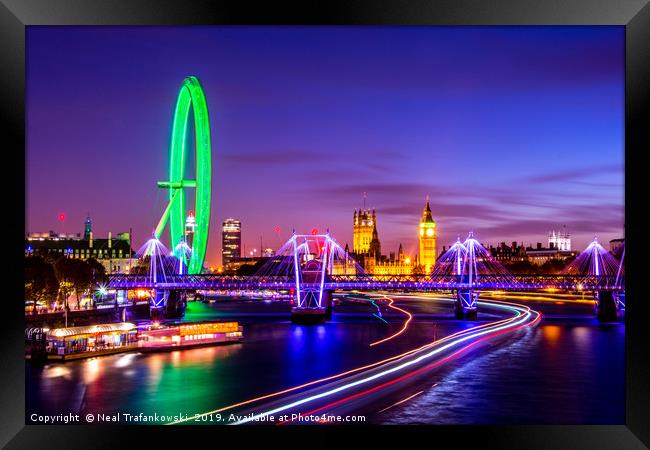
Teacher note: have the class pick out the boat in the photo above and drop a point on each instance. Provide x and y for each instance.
(63, 344)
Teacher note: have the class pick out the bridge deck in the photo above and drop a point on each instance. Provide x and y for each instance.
(373, 282)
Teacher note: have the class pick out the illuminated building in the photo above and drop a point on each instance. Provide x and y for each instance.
(114, 254)
(190, 225)
(427, 239)
(364, 227)
(88, 227)
(405, 266)
(231, 241)
(53, 236)
(375, 246)
(539, 255)
(505, 253)
(367, 248)
(560, 240)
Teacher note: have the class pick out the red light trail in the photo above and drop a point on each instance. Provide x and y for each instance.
(417, 371)
(458, 335)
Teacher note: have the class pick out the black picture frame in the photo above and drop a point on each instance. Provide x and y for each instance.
(15, 15)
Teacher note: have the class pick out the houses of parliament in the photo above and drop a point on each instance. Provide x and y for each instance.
(366, 247)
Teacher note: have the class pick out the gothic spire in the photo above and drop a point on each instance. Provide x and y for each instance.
(426, 214)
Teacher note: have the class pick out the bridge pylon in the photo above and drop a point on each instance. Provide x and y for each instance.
(312, 261)
(597, 263)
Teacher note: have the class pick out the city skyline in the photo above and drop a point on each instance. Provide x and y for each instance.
(509, 135)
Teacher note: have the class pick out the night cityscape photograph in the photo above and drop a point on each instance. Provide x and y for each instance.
(324, 225)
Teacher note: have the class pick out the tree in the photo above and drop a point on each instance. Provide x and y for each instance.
(64, 270)
(98, 271)
(41, 283)
(142, 266)
(553, 266)
(521, 267)
(97, 275)
(81, 277)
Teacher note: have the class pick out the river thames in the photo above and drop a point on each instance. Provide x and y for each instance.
(568, 369)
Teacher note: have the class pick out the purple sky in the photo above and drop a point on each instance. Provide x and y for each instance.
(512, 131)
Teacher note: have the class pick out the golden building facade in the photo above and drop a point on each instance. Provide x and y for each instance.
(376, 267)
(367, 248)
(364, 224)
(428, 237)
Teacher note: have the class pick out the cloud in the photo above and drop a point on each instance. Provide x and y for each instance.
(385, 190)
(575, 174)
(275, 157)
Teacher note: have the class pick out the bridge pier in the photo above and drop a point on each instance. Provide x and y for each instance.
(327, 300)
(308, 315)
(465, 306)
(167, 304)
(312, 314)
(606, 306)
(175, 305)
(157, 305)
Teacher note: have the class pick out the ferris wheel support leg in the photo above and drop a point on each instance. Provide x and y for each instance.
(165, 217)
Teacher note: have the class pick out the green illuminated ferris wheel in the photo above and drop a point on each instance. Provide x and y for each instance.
(190, 94)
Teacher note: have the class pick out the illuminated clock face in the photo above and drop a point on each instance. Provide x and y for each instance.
(429, 231)
(421, 232)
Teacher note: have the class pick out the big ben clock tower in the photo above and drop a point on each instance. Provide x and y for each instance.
(427, 239)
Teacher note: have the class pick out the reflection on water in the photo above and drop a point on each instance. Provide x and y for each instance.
(559, 372)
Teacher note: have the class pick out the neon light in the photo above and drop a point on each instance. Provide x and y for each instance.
(190, 94)
(594, 261)
(323, 270)
(297, 269)
(380, 318)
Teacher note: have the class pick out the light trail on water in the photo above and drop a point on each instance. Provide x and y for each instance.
(519, 310)
(484, 335)
(409, 374)
(404, 327)
(400, 402)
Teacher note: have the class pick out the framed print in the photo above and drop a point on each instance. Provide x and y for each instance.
(417, 218)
